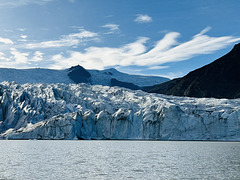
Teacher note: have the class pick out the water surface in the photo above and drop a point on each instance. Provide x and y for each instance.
(119, 160)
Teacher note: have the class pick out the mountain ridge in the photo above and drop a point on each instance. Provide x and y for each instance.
(219, 79)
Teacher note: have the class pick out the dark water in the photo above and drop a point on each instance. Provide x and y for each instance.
(119, 160)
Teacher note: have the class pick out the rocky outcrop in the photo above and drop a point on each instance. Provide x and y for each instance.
(81, 111)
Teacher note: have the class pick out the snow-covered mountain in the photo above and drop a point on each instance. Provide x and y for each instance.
(104, 78)
(36, 75)
(77, 74)
(82, 111)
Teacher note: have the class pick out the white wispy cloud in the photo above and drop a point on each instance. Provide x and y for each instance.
(18, 57)
(3, 57)
(100, 57)
(53, 44)
(66, 41)
(17, 3)
(165, 50)
(205, 30)
(6, 41)
(158, 67)
(37, 56)
(143, 18)
(23, 36)
(21, 29)
(113, 28)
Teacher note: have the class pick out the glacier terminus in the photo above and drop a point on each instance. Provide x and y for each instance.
(83, 111)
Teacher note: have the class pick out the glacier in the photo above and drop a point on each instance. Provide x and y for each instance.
(83, 111)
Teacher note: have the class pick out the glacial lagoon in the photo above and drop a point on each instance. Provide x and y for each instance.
(34, 159)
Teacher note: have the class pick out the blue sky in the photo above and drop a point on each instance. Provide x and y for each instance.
(168, 38)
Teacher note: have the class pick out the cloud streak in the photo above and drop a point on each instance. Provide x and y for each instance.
(6, 41)
(17, 3)
(66, 41)
(113, 28)
(165, 50)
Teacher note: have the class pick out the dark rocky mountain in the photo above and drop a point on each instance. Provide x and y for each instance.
(79, 75)
(219, 79)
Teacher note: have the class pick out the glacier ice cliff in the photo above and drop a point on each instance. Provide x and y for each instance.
(82, 111)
